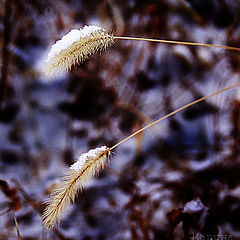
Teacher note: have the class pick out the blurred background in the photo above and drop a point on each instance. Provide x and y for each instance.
(178, 180)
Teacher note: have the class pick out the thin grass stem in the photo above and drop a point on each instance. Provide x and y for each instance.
(16, 224)
(179, 42)
(174, 112)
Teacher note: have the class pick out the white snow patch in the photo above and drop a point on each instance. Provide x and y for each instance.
(82, 159)
(173, 176)
(193, 206)
(183, 50)
(73, 36)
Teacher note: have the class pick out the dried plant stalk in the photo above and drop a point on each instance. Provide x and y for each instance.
(88, 165)
(16, 224)
(76, 46)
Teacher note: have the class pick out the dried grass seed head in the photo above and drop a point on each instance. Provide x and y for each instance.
(75, 47)
(88, 165)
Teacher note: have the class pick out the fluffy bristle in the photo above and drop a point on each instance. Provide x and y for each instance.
(75, 47)
(88, 165)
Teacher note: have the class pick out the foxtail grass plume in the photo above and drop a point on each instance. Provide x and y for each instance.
(75, 47)
(88, 165)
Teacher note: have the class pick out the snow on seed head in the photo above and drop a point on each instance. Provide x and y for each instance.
(75, 47)
(83, 158)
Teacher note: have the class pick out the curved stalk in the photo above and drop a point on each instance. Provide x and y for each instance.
(179, 42)
(174, 112)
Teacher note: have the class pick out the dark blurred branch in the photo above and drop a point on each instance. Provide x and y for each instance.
(5, 211)
(37, 207)
(11, 194)
(5, 50)
(138, 222)
(235, 155)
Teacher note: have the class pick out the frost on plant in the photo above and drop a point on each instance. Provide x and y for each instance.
(75, 47)
(85, 157)
(88, 165)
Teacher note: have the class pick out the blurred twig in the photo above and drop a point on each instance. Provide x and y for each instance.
(191, 11)
(5, 50)
(37, 208)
